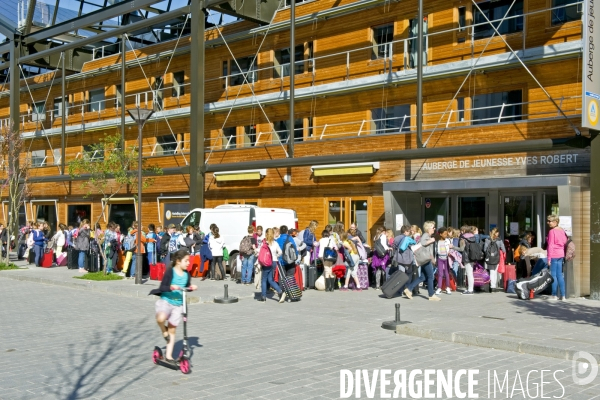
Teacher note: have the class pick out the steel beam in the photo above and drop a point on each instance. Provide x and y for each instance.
(197, 166)
(420, 75)
(7, 27)
(88, 19)
(292, 77)
(63, 122)
(113, 33)
(123, 91)
(259, 11)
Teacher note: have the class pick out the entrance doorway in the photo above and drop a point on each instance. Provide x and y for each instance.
(517, 216)
(46, 212)
(438, 210)
(123, 214)
(472, 211)
(349, 210)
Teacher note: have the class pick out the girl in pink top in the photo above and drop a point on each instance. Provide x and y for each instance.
(556, 240)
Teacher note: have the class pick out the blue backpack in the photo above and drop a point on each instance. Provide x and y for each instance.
(129, 242)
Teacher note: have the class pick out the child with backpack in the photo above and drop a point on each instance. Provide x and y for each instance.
(247, 249)
(170, 305)
(443, 250)
(351, 271)
(492, 248)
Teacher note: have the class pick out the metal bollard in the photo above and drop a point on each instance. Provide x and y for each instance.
(391, 325)
(226, 299)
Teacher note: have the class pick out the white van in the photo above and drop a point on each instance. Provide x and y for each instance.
(233, 221)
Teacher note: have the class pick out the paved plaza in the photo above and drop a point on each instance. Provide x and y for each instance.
(74, 340)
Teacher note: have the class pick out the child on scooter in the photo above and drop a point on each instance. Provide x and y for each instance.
(170, 305)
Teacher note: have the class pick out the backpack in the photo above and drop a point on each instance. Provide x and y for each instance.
(405, 257)
(173, 243)
(569, 250)
(379, 249)
(246, 246)
(164, 244)
(473, 250)
(265, 258)
(289, 252)
(348, 257)
(129, 242)
(492, 254)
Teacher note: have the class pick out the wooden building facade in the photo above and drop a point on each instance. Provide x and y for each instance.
(355, 93)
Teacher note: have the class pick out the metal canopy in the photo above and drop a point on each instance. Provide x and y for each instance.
(7, 27)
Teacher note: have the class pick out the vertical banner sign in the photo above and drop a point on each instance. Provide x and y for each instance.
(591, 67)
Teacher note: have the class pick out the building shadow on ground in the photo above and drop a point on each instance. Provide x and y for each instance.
(567, 311)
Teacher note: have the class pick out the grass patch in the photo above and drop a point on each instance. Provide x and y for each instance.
(4, 266)
(99, 276)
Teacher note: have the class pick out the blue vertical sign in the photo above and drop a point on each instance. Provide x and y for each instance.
(591, 67)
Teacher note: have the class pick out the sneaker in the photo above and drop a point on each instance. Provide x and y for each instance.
(434, 298)
(438, 291)
(358, 290)
(343, 289)
(262, 299)
(553, 298)
(408, 293)
(467, 293)
(121, 274)
(562, 298)
(448, 291)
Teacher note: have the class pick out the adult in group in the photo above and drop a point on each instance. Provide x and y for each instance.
(216, 244)
(380, 255)
(300, 245)
(309, 238)
(556, 240)
(82, 243)
(403, 254)
(289, 265)
(327, 241)
(524, 261)
(267, 270)
(492, 248)
(467, 238)
(356, 235)
(427, 242)
(247, 249)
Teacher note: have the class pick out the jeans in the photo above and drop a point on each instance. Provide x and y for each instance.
(427, 273)
(442, 264)
(540, 264)
(215, 261)
(39, 251)
(267, 276)
(151, 258)
(133, 265)
(247, 267)
(81, 258)
(556, 271)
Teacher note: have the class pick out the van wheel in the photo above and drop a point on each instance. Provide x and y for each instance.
(232, 266)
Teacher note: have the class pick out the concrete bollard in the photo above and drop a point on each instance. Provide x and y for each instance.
(226, 299)
(391, 325)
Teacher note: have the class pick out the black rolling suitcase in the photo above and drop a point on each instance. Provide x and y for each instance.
(312, 275)
(72, 258)
(394, 284)
(93, 262)
(289, 285)
(31, 257)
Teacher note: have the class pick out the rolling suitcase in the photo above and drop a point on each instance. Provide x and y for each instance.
(47, 258)
(93, 262)
(312, 275)
(31, 257)
(303, 272)
(61, 259)
(362, 273)
(393, 285)
(72, 258)
(157, 271)
(510, 273)
(289, 285)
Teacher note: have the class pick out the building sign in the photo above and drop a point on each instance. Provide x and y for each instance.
(591, 67)
(500, 162)
(174, 213)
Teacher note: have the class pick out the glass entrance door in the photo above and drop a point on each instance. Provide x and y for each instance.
(472, 211)
(517, 216)
(437, 209)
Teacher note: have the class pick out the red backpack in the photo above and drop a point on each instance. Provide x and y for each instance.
(265, 258)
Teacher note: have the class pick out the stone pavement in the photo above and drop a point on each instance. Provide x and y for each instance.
(498, 320)
(62, 343)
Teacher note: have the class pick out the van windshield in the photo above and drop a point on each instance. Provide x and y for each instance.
(192, 220)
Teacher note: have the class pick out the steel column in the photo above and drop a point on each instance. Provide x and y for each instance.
(595, 217)
(123, 53)
(63, 122)
(197, 167)
(292, 76)
(420, 75)
(14, 125)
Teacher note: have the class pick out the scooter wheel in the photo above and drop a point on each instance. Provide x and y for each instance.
(156, 355)
(184, 366)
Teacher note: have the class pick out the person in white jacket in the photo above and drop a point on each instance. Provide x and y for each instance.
(216, 244)
(60, 239)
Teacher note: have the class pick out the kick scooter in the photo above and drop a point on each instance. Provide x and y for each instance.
(182, 362)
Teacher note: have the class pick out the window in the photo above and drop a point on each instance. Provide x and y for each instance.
(497, 107)
(96, 100)
(282, 61)
(158, 93)
(92, 154)
(38, 111)
(57, 110)
(178, 81)
(167, 145)
(247, 66)
(119, 96)
(565, 14)
(462, 18)
(38, 158)
(249, 135)
(495, 11)
(394, 119)
(77, 213)
(229, 137)
(282, 130)
(382, 35)
(460, 109)
(413, 43)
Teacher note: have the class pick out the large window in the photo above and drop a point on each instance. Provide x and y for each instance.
(96, 100)
(282, 61)
(57, 110)
(249, 135)
(497, 107)
(38, 111)
(393, 119)
(158, 93)
(119, 96)
(92, 154)
(38, 158)
(282, 130)
(565, 14)
(166, 145)
(77, 213)
(495, 11)
(382, 35)
(247, 67)
(229, 137)
(414, 43)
